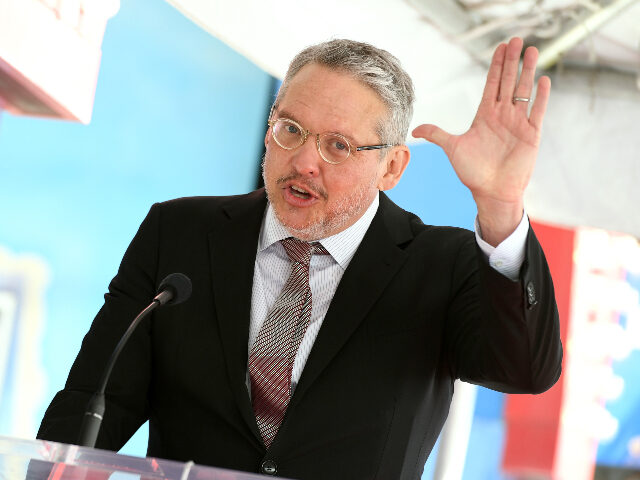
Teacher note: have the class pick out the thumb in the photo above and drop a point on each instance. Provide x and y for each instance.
(433, 134)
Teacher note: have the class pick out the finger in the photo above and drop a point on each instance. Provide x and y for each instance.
(527, 77)
(492, 87)
(540, 104)
(433, 134)
(510, 70)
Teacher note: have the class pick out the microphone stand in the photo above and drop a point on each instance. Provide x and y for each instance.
(95, 409)
(174, 288)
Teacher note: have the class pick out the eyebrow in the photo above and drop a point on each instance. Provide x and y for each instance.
(291, 116)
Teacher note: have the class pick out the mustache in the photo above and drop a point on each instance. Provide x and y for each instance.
(308, 184)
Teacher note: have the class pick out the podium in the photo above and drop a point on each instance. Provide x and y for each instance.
(43, 460)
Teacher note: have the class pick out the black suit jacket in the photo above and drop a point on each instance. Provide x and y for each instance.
(417, 308)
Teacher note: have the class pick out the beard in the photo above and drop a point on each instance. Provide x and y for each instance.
(334, 219)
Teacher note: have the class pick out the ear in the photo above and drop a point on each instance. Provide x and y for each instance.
(266, 137)
(393, 166)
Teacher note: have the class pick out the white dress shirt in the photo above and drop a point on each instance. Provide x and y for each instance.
(272, 268)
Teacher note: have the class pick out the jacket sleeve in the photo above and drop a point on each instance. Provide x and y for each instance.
(131, 290)
(503, 334)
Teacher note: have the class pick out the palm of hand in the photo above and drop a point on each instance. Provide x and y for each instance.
(496, 156)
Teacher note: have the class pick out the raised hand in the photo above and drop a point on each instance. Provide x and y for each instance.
(496, 156)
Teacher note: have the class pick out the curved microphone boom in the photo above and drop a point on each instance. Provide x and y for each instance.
(174, 289)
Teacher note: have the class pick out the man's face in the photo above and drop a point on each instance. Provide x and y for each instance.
(312, 198)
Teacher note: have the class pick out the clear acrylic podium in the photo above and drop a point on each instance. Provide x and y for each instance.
(43, 460)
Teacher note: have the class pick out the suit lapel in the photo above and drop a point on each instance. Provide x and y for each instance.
(358, 289)
(233, 246)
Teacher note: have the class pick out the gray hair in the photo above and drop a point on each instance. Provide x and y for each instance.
(372, 66)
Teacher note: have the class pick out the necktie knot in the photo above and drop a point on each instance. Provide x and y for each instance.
(300, 251)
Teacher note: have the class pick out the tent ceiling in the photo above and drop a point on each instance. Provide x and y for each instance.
(611, 39)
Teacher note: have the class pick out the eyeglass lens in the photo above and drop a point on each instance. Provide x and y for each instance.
(334, 148)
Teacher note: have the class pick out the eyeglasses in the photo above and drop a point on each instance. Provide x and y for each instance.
(332, 147)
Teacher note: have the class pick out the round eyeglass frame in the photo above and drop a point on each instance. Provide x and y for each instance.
(306, 133)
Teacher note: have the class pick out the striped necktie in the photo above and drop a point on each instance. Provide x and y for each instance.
(274, 351)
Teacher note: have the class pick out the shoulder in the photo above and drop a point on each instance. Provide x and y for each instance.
(193, 209)
(409, 231)
(209, 203)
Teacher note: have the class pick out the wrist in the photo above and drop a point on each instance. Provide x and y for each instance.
(498, 219)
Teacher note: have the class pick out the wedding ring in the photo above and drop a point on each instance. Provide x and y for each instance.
(521, 99)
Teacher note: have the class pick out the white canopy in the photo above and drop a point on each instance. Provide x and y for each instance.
(588, 167)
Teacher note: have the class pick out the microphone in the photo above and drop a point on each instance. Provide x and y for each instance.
(174, 289)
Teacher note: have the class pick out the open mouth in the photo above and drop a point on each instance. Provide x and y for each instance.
(299, 192)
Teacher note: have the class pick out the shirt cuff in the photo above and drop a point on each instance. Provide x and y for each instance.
(508, 256)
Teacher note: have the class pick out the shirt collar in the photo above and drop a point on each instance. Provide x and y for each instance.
(342, 246)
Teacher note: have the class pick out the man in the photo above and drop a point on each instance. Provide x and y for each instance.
(334, 357)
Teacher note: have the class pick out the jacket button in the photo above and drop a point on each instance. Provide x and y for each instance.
(531, 295)
(269, 467)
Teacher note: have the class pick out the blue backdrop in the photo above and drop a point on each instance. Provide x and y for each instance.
(176, 113)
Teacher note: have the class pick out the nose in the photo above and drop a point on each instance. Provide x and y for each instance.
(306, 159)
